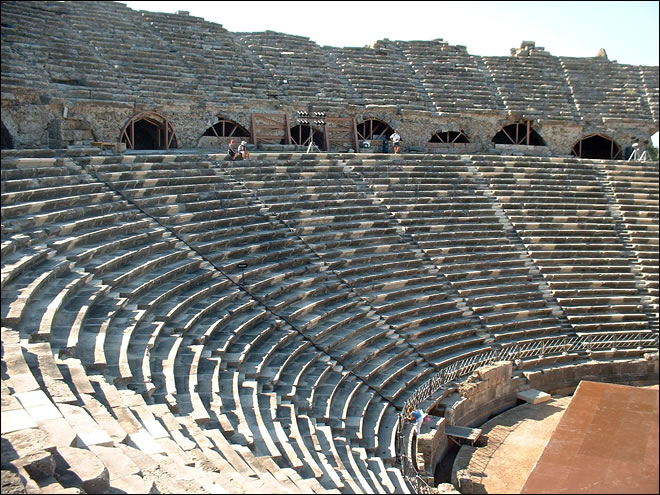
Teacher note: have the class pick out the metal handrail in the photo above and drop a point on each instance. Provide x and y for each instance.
(518, 351)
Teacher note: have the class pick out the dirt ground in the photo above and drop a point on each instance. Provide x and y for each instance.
(516, 439)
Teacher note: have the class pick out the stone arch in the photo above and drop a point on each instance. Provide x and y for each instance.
(518, 133)
(7, 138)
(149, 131)
(300, 135)
(597, 146)
(449, 137)
(373, 129)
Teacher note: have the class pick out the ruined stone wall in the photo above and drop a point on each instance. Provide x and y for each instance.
(493, 389)
(64, 86)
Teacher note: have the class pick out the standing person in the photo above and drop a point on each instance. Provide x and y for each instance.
(418, 416)
(231, 151)
(395, 138)
(242, 149)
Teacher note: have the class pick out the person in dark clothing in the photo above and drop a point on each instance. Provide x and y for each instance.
(231, 151)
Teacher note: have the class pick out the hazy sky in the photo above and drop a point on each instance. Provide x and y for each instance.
(628, 31)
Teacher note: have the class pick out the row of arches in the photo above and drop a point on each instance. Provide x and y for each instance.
(519, 133)
(149, 130)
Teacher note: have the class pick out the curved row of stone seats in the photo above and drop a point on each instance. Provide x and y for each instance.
(65, 62)
(561, 213)
(18, 27)
(181, 374)
(635, 191)
(111, 439)
(373, 370)
(205, 367)
(299, 66)
(147, 63)
(124, 301)
(441, 204)
(299, 366)
(85, 267)
(380, 75)
(65, 411)
(651, 80)
(337, 219)
(71, 66)
(311, 385)
(233, 347)
(175, 56)
(293, 357)
(600, 91)
(533, 85)
(224, 67)
(44, 235)
(451, 77)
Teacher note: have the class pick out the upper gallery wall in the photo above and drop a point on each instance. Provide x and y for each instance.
(77, 72)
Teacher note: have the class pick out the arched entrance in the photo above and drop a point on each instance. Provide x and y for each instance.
(449, 137)
(373, 129)
(149, 131)
(227, 128)
(300, 135)
(598, 147)
(7, 140)
(519, 133)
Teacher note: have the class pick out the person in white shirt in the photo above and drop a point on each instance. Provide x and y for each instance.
(242, 150)
(395, 138)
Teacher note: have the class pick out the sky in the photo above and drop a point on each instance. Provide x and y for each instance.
(628, 31)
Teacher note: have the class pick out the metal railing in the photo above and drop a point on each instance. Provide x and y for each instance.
(539, 348)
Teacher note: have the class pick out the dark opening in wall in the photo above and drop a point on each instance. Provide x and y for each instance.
(300, 135)
(443, 469)
(518, 133)
(373, 129)
(145, 136)
(149, 131)
(227, 128)
(7, 139)
(598, 147)
(449, 137)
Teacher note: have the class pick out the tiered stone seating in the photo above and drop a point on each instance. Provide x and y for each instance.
(147, 63)
(650, 80)
(73, 65)
(634, 187)
(451, 77)
(561, 213)
(346, 331)
(532, 84)
(225, 68)
(604, 89)
(224, 345)
(137, 347)
(299, 66)
(103, 314)
(19, 59)
(441, 204)
(348, 218)
(381, 76)
(65, 413)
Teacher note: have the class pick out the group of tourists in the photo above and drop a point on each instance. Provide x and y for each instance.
(243, 152)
